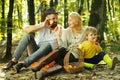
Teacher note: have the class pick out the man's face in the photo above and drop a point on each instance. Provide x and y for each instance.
(53, 20)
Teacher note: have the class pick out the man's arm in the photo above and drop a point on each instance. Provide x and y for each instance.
(32, 28)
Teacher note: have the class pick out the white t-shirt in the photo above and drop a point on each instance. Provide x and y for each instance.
(45, 36)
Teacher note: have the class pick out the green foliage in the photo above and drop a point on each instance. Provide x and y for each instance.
(1, 36)
(113, 28)
(20, 16)
(113, 46)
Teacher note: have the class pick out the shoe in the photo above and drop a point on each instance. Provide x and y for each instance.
(89, 66)
(115, 59)
(37, 67)
(9, 65)
(40, 75)
(18, 67)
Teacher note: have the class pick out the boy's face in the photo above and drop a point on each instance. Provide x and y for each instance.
(91, 36)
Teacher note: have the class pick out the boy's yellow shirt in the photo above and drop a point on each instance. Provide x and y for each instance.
(89, 49)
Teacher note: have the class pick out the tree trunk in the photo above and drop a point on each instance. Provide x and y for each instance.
(103, 22)
(81, 7)
(94, 13)
(3, 19)
(31, 18)
(53, 3)
(56, 3)
(31, 12)
(65, 14)
(88, 5)
(9, 30)
(109, 10)
(43, 9)
(98, 17)
(20, 22)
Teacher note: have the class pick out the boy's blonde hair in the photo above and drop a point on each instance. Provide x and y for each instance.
(90, 29)
(77, 17)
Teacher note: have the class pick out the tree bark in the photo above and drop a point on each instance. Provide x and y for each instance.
(53, 3)
(65, 14)
(9, 30)
(98, 18)
(94, 13)
(81, 7)
(3, 19)
(31, 12)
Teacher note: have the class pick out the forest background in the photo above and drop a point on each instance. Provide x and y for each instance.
(102, 14)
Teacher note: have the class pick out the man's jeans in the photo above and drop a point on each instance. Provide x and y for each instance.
(38, 52)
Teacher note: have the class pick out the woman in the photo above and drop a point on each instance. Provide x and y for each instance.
(73, 34)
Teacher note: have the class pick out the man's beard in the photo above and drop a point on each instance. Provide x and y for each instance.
(54, 25)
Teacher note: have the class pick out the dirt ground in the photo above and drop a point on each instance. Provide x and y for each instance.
(101, 72)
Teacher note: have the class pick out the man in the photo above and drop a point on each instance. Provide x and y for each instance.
(47, 41)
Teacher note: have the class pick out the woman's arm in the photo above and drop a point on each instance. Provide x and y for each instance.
(62, 41)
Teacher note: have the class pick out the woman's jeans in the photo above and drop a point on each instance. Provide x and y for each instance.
(38, 52)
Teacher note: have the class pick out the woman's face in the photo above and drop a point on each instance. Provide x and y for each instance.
(72, 22)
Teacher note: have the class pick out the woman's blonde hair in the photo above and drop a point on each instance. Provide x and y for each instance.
(90, 29)
(77, 17)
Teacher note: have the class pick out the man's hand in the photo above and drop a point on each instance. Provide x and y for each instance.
(46, 23)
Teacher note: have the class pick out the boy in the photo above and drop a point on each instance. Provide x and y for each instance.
(92, 51)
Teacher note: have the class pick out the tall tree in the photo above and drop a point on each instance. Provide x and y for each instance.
(81, 2)
(3, 18)
(103, 22)
(31, 11)
(9, 30)
(94, 13)
(53, 3)
(65, 14)
(31, 17)
(43, 9)
(98, 18)
(109, 9)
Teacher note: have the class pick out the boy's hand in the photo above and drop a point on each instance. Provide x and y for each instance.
(95, 40)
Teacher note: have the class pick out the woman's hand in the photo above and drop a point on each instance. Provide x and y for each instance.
(58, 31)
